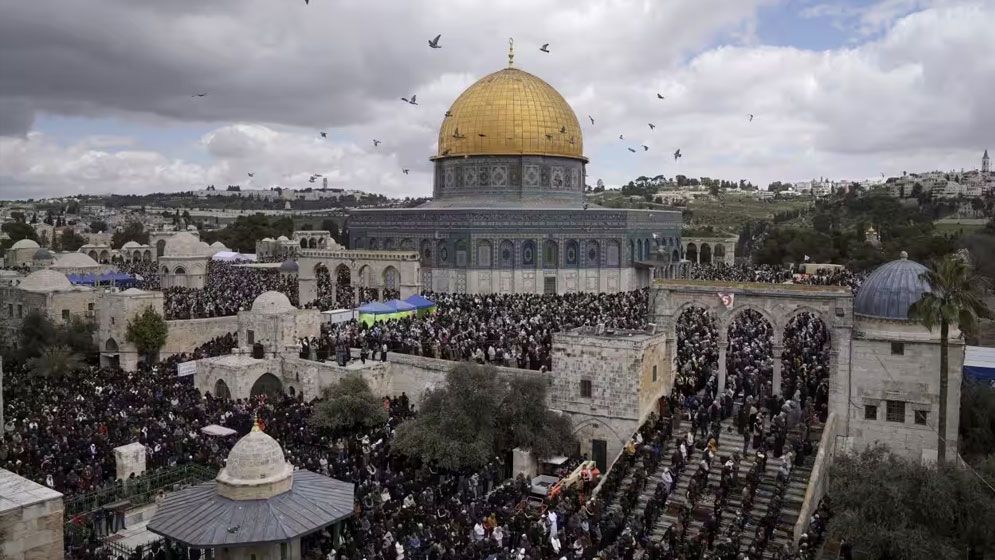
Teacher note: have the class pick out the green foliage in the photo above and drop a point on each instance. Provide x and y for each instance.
(55, 362)
(98, 226)
(147, 331)
(70, 240)
(38, 332)
(894, 508)
(349, 404)
(242, 234)
(134, 231)
(477, 414)
(17, 231)
(977, 421)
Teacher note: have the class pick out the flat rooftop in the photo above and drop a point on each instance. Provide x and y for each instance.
(766, 287)
(17, 492)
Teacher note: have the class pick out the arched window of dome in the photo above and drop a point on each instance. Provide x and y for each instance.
(632, 251)
(551, 254)
(529, 253)
(443, 252)
(705, 256)
(462, 254)
(180, 270)
(312, 243)
(426, 252)
(160, 246)
(484, 254)
(506, 254)
(221, 390)
(613, 253)
(388, 244)
(572, 253)
(592, 253)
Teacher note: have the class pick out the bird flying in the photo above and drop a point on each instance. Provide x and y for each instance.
(434, 43)
(252, 174)
(324, 135)
(620, 137)
(592, 119)
(652, 126)
(658, 96)
(405, 171)
(633, 150)
(544, 48)
(376, 142)
(646, 148)
(750, 117)
(199, 94)
(412, 101)
(677, 154)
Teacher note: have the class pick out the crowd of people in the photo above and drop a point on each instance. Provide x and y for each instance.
(228, 289)
(145, 272)
(513, 330)
(774, 275)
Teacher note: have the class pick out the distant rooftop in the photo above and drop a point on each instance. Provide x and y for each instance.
(17, 492)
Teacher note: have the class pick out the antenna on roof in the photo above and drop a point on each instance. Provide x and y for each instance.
(511, 52)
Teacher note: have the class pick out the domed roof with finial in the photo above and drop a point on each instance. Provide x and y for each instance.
(256, 468)
(891, 289)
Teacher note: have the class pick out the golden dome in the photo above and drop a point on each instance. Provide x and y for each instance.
(511, 112)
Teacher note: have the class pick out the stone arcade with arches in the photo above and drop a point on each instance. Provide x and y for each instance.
(709, 250)
(376, 272)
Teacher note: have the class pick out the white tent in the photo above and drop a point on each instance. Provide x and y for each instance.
(230, 256)
(216, 430)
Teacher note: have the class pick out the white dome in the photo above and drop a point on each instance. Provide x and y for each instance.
(185, 245)
(25, 244)
(219, 245)
(268, 239)
(283, 238)
(75, 261)
(131, 244)
(255, 469)
(133, 291)
(46, 280)
(272, 302)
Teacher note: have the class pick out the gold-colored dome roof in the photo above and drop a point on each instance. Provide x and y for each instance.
(511, 112)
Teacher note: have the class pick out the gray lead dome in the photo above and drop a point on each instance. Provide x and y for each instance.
(891, 289)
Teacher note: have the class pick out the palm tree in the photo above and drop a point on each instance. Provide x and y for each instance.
(55, 362)
(955, 299)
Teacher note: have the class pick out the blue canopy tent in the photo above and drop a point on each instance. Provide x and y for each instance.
(422, 304)
(399, 306)
(108, 278)
(374, 311)
(979, 363)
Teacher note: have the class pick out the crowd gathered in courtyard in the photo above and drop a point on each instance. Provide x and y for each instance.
(705, 479)
(834, 276)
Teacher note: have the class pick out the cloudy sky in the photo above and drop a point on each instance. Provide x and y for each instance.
(97, 96)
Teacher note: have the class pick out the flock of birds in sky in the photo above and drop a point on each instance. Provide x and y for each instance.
(413, 100)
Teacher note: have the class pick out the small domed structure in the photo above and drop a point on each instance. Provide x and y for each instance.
(891, 289)
(217, 245)
(130, 245)
(43, 254)
(25, 244)
(289, 267)
(283, 238)
(46, 280)
(256, 469)
(186, 245)
(272, 302)
(75, 261)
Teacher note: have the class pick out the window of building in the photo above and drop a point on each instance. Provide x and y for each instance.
(922, 416)
(654, 374)
(870, 412)
(840, 312)
(20, 311)
(10, 310)
(112, 320)
(898, 348)
(89, 307)
(65, 315)
(250, 337)
(585, 388)
(895, 411)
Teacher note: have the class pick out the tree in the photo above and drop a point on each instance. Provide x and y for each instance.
(17, 231)
(133, 231)
(55, 362)
(955, 298)
(70, 240)
(36, 333)
(331, 226)
(97, 226)
(977, 420)
(526, 422)
(147, 332)
(457, 423)
(894, 508)
(349, 404)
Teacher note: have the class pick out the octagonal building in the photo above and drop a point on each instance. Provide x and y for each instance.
(507, 212)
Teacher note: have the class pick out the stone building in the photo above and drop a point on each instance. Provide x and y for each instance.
(375, 272)
(48, 292)
(708, 250)
(508, 212)
(260, 506)
(895, 386)
(183, 261)
(133, 251)
(31, 517)
(78, 263)
(157, 239)
(21, 253)
(276, 250)
(101, 253)
(275, 324)
(316, 239)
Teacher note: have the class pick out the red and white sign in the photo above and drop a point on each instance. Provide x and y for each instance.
(727, 299)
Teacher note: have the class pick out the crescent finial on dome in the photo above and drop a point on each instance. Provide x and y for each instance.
(511, 52)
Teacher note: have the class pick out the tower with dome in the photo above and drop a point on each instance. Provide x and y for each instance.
(507, 212)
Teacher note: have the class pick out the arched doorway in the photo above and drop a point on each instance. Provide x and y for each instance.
(391, 283)
(160, 246)
(344, 293)
(749, 367)
(691, 252)
(221, 390)
(111, 358)
(706, 254)
(366, 285)
(805, 359)
(303, 243)
(720, 254)
(92, 254)
(697, 349)
(550, 254)
(324, 284)
(267, 384)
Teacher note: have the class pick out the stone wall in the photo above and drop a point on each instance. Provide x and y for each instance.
(187, 334)
(16, 303)
(533, 281)
(818, 480)
(32, 519)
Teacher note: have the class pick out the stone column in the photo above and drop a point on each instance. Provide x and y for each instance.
(722, 365)
(776, 388)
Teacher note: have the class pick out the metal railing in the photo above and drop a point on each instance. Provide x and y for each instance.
(139, 491)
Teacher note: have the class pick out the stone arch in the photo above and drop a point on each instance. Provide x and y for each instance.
(484, 254)
(92, 254)
(291, 391)
(719, 255)
(639, 249)
(179, 270)
(160, 246)
(529, 254)
(806, 346)
(365, 277)
(647, 248)
(426, 252)
(612, 250)
(462, 253)
(303, 243)
(692, 252)
(323, 280)
(705, 254)
(110, 345)
(147, 256)
(136, 256)
(675, 256)
(752, 349)
(391, 278)
(739, 308)
(573, 253)
(221, 390)
(322, 242)
(506, 254)
(165, 270)
(267, 384)
(344, 293)
(592, 253)
(550, 254)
